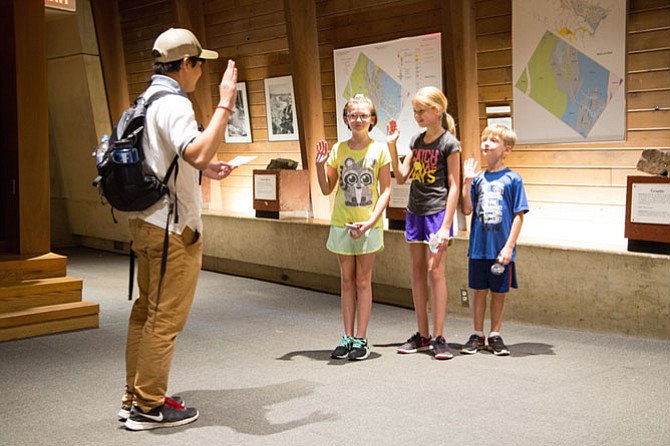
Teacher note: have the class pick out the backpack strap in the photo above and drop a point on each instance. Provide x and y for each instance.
(132, 272)
(174, 166)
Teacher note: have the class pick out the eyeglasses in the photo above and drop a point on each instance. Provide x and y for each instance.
(355, 116)
(196, 59)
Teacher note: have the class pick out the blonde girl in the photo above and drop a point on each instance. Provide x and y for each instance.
(434, 169)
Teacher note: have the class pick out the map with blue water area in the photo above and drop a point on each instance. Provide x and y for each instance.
(568, 70)
(389, 73)
(570, 85)
(386, 93)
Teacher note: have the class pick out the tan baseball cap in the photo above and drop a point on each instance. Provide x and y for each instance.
(177, 43)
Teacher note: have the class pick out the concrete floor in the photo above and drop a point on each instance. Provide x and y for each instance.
(254, 359)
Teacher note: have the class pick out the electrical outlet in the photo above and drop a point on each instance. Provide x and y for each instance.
(465, 298)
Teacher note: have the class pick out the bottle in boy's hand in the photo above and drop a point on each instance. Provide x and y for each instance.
(497, 268)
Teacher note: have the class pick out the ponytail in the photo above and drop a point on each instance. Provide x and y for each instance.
(448, 123)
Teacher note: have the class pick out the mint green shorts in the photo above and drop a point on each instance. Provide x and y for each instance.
(340, 242)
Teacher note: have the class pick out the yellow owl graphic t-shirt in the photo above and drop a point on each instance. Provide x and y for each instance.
(358, 172)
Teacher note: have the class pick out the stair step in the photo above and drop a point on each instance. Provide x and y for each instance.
(48, 319)
(16, 268)
(40, 292)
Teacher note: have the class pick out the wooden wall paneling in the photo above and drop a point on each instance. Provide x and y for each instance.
(649, 100)
(253, 33)
(141, 22)
(574, 157)
(646, 40)
(657, 59)
(647, 120)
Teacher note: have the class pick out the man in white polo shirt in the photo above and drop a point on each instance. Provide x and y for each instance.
(166, 291)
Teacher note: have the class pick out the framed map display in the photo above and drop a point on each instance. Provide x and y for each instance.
(568, 70)
(389, 73)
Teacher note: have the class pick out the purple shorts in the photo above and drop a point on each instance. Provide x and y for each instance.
(480, 276)
(419, 227)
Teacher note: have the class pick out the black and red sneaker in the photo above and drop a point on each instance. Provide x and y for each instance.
(416, 343)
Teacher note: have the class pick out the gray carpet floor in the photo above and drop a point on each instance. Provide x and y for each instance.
(254, 359)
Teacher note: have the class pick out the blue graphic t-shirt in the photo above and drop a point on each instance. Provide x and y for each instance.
(496, 197)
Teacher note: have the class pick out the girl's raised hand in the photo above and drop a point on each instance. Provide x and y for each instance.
(392, 132)
(322, 152)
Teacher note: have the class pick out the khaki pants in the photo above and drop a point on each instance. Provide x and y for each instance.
(156, 320)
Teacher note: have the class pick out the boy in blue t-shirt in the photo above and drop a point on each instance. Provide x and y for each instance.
(498, 199)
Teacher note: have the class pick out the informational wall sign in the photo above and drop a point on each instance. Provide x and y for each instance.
(399, 194)
(63, 5)
(650, 203)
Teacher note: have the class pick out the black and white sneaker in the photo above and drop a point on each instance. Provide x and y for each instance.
(474, 344)
(343, 348)
(497, 346)
(359, 350)
(161, 416)
(174, 401)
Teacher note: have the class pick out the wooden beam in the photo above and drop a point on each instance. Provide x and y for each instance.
(190, 16)
(32, 127)
(110, 46)
(459, 43)
(460, 61)
(304, 50)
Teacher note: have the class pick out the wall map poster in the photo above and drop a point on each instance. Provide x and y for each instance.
(389, 73)
(569, 70)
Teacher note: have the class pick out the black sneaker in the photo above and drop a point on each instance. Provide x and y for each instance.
(174, 401)
(440, 348)
(416, 343)
(474, 344)
(497, 346)
(343, 348)
(359, 350)
(161, 416)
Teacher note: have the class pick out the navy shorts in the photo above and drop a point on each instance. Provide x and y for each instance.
(480, 276)
(419, 227)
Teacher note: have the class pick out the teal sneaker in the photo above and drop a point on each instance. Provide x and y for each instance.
(343, 348)
(359, 350)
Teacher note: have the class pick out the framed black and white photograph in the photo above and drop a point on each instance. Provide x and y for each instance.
(239, 125)
(281, 114)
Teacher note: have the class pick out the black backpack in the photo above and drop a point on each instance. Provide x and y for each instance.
(121, 178)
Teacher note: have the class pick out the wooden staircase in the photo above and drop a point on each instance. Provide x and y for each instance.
(37, 297)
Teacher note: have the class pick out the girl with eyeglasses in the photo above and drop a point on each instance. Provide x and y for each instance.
(433, 166)
(361, 168)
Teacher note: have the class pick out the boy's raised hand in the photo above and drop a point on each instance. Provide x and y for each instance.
(322, 152)
(470, 171)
